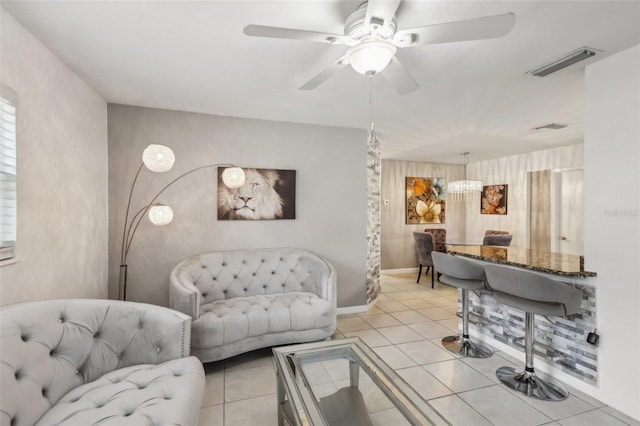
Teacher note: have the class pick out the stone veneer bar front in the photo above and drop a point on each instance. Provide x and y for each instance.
(561, 342)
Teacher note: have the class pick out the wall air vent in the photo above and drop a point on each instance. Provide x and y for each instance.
(554, 126)
(563, 62)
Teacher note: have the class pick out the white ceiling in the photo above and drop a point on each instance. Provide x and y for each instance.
(473, 96)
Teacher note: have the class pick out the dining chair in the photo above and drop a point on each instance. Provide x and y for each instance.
(497, 240)
(439, 238)
(495, 232)
(424, 246)
(440, 241)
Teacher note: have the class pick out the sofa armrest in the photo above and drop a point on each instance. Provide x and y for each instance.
(184, 296)
(329, 289)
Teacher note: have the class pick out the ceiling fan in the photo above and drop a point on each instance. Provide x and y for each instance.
(372, 37)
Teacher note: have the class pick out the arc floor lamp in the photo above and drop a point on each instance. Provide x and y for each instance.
(160, 158)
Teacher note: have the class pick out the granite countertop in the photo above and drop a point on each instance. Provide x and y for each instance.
(553, 263)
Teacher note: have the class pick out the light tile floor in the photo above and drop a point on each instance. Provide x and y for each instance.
(404, 328)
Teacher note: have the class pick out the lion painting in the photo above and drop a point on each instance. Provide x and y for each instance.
(259, 197)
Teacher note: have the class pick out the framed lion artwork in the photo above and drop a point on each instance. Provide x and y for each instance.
(266, 194)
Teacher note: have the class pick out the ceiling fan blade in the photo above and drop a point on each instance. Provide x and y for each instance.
(398, 76)
(324, 75)
(291, 34)
(384, 10)
(472, 29)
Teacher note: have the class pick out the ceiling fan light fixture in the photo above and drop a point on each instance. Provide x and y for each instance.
(371, 57)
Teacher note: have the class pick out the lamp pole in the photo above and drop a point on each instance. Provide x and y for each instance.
(233, 177)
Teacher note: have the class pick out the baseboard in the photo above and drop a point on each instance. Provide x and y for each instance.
(356, 309)
(398, 271)
(352, 309)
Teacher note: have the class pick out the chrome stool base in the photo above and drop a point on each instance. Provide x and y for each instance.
(530, 384)
(461, 346)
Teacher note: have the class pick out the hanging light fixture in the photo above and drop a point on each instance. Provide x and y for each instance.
(371, 56)
(463, 189)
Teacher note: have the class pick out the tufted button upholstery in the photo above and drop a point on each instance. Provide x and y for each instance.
(229, 273)
(46, 377)
(244, 317)
(244, 299)
(137, 392)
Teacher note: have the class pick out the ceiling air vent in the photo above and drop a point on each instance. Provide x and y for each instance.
(563, 62)
(554, 126)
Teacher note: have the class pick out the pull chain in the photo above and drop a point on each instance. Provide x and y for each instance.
(372, 129)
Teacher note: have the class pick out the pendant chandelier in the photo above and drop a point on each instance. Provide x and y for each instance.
(464, 189)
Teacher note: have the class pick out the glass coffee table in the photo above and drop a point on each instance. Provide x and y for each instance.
(343, 382)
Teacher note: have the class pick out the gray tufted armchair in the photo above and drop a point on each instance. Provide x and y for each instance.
(88, 362)
(243, 300)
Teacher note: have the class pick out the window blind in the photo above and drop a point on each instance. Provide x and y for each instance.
(8, 181)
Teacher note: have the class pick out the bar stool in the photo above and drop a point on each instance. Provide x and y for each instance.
(465, 275)
(533, 294)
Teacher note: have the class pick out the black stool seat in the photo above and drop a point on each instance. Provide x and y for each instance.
(534, 294)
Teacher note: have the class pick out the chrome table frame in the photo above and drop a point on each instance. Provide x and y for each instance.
(299, 406)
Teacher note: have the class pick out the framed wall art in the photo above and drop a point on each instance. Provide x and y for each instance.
(494, 199)
(266, 194)
(425, 200)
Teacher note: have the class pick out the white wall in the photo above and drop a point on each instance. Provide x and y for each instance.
(62, 175)
(612, 230)
(397, 244)
(331, 216)
(513, 171)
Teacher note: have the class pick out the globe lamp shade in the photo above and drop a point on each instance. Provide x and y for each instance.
(160, 215)
(233, 177)
(158, 158)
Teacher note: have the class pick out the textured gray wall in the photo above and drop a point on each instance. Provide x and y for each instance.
(398, 249)
(62, 176)
(331, 210)
(513, 171)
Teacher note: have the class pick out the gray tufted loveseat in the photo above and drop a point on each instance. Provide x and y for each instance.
(244, 300)
(88, 362)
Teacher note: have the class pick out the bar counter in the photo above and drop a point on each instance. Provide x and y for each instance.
(560, 342)
(552, 263)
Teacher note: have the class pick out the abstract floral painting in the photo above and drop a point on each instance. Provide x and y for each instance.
(494, 199)
(425, 199)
